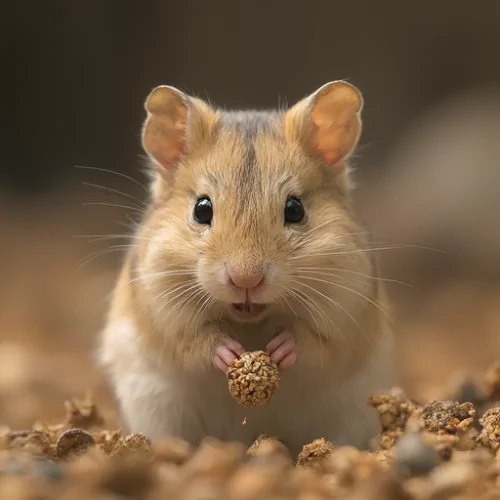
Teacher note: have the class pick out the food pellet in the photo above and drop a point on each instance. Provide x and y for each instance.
(253, 379)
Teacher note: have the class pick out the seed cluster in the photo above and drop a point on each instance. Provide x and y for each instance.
(253, 379)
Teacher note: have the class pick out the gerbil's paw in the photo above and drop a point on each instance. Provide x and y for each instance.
(283, 350)
(226, 352)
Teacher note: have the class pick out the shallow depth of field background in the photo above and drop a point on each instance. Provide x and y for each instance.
(75, 76)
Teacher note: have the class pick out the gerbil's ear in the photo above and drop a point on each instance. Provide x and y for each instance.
(175, 125)
(328, 123)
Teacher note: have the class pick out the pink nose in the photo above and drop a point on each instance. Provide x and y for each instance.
(246, 280)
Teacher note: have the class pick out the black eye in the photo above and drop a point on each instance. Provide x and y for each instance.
(203, 211)
(294, 211)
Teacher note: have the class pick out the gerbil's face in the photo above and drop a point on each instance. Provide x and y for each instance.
(251, 223)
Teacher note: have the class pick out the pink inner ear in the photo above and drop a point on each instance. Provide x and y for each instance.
(334, 138)
(164, 137)
(331, 157)
(335, 122)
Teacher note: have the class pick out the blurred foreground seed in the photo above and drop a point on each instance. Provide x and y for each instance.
(173, 450)
(267, 446)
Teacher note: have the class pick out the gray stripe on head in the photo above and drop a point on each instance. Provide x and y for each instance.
(248, 124)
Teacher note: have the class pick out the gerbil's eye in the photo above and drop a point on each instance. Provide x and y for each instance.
(294, 210)
(203, 211)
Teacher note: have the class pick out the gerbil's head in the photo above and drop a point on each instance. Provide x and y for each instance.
(250, 208)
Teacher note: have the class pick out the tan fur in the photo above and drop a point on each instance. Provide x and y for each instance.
(163, 328)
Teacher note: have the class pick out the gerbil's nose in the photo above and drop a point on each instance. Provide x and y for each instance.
(246, 280)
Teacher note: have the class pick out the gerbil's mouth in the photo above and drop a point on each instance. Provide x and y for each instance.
(248, 311)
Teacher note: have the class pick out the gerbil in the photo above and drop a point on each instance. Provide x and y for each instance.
(249, 242)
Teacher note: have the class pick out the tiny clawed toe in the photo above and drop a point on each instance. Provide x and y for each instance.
(234, 346)
(278, 341)
(219, 364)
(226, 353)
(288, 361)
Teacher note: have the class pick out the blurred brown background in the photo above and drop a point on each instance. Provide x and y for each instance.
(75, 76)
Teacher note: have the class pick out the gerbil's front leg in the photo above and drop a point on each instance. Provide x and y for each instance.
(227, 351)
(210, 346)
(303, 344)
(283, 350)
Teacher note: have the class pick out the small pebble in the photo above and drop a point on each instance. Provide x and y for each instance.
(173, 450)
(413, 456)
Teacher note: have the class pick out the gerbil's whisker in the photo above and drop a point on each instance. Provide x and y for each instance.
(132, 225)
(195, 291)
(117, 205)
(182, 291)
(366, 234)
(287, 303)
(328, 271)
(179, 287)
(355, 292)
(319, 226)
(161, 274)
(309, 305)
(95, 255)
(362, 250)
(303, 300)
(98, 169)
(172, 289)
(205, 300)
(333, 302)
(137, 203)
(93, 238)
